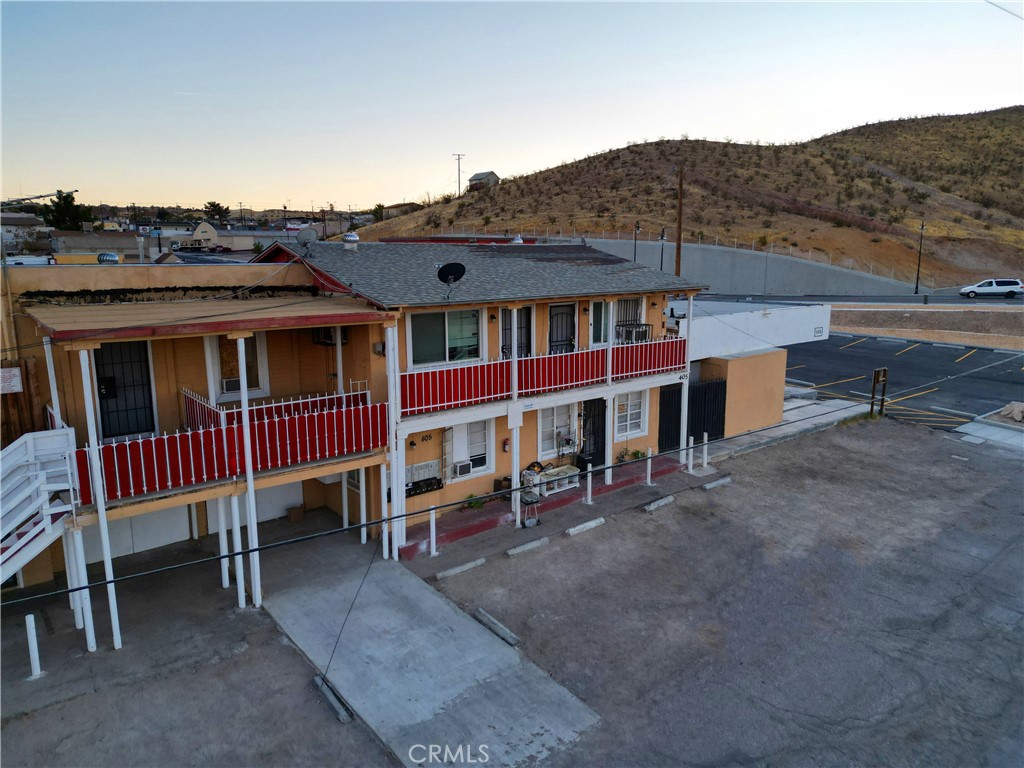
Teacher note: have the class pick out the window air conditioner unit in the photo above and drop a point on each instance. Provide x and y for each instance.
(462, 468)
(231, 385)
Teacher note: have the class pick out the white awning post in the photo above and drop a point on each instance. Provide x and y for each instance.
(704, 458)
(362, 504)
(397, 445)
(222, 539)
(514, 355)
(98, 493)
(193, 514)
(51, 374)
(689, 455)
(236, 541)
(516, 479)
(609, 434)
(83, 581)
(337, 361)
(250, 483)
(344, 499)
(684, 410)
(650, 458)
(71, 571)
(384, 512)
(610, 304)
(33, 646)
(590, 482)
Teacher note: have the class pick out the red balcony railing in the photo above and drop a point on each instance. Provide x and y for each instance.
(443, 388)
(165, 463)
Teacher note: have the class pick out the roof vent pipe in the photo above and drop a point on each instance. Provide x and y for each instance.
(351, 241)
(108, 258)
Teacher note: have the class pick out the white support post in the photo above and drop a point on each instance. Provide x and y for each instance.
(397, 445)
(516, 480)
(650, 458)
(684, 410)
(222, 539)
(590, 483)
(99, 494)
(33, 646)
(362, 504)
(609, 434)
(193, 516)
(71, 566)
(340, 386)
(689, 455)
(51, 374)
(250, 483)
(385, 552)
(236, 541)
(611, 340)
(514, 355)
(83, 580)
(344, 499)
(433, 531)
(704, 458)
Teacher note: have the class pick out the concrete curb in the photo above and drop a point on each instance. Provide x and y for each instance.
(984, 419)
(496, 627)
(526, 547)
(799, 382)
(941, 344)
(716, 483)
(659, 503)
(332, 699)
(576, 529)
(461, 568)
(955, 413)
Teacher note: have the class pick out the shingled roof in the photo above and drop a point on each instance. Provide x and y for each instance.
(405, 274)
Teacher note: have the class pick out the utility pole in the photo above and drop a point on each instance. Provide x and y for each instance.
(241, 213)
(458, 179)
(636, 230)
(679, 224)
(920, 245)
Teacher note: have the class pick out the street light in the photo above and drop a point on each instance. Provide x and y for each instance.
(920, 244)
(661, 237)
(636, 230)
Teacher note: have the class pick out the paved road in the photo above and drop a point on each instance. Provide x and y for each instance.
(909, 299)
(924, 377)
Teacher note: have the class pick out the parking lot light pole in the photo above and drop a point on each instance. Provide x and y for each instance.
(920, 244)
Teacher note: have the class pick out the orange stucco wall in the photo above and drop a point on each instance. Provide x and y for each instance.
(754, 390)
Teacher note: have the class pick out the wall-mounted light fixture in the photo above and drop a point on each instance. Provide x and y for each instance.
(586, 310)
(412, 443)
(493, 318)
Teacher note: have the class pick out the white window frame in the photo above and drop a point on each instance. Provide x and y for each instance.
(603, 324)
(574, 418)
(212, 346)
(481, 336)
(451, 461)
(644, 412)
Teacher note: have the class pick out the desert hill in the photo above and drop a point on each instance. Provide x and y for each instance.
(858, 196)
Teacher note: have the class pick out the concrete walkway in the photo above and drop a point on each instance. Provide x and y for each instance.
(978, 431)
(411, 664)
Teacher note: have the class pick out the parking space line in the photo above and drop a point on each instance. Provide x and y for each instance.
(796, 366)
(916, 394)
(858, 341)
(965, 356)
(841, 381)
(907, 349)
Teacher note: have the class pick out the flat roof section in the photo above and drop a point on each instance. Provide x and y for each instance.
(144, 320)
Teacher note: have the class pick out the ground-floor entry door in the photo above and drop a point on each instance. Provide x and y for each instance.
(592, 447)
(124, 388)
(706, 413)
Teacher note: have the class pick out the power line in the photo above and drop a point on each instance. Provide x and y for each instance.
(1007, 10)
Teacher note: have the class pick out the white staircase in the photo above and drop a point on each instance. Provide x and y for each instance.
(37, 487)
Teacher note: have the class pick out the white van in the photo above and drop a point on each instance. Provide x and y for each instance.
(1004, 286)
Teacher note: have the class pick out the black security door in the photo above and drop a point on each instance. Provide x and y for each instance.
(524, 333)
(592, 450)
(124, 388)
(562, 328)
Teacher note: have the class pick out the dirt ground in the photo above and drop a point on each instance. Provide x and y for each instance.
(997, 326)
(198, 682)
(853, 597)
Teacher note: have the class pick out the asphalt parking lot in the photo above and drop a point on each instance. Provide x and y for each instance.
(853, 597)
(937, 385)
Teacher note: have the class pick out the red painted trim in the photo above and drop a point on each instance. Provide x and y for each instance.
(327, 283)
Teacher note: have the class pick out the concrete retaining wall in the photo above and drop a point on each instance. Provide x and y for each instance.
(737, 271)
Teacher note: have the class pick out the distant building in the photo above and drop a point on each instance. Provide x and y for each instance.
(482, 180)
(400, 209)
(209, 236)
(24, 232)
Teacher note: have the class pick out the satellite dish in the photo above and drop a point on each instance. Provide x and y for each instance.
(306, 236)
(450, 274)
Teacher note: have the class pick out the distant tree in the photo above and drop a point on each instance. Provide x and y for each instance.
(214, 210)
(64, 213)
(378, 212)
(162, 214)
(263, 223)
(257, 247)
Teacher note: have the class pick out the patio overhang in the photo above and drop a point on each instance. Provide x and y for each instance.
(68, 323)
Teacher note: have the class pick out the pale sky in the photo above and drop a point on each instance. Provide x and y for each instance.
(360, 103)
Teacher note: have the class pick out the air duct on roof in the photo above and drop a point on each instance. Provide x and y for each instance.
(351, 241)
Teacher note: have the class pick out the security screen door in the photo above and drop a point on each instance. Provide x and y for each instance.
(562, 328)
(124, 388)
